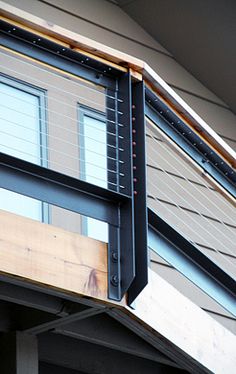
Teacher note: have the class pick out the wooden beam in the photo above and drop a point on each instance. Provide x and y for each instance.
(52, 256)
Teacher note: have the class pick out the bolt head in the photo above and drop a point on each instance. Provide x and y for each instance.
(114, 280)
(114, 256)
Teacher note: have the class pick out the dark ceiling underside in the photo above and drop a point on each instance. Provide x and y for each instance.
(200, 34)
(71, 340)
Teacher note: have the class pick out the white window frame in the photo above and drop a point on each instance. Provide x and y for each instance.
(84, 111)
(42, 107)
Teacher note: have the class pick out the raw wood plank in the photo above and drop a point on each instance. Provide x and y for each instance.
(52, 256)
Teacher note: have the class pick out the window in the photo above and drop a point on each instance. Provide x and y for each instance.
(93, 162)
(45, 127)
(22, 129)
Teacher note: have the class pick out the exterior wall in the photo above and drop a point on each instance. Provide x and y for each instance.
(104, 22)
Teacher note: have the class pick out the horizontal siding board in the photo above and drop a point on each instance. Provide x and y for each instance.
(191, 196)
(154, 257)
(164, 65)
(229, 323)
(228, 263)
(187, 288)
(204, 216)
(120, 23)
(221, 120)
(162, 157)
(195, 228)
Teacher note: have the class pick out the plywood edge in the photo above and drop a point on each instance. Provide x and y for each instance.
(53, 257)
(123, 60)
(72, 39)
(163, 310)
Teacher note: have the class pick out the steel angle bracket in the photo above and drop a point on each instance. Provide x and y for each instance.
(139, 194)
(127, 249)
(121, 261)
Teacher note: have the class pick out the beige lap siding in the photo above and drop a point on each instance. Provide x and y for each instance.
(184, 198)
(186, 287)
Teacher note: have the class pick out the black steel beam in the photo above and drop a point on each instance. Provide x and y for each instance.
(140, 194)
(39, 329)
(190, 143)
(54, 188)
(114, 265)
(45, 290)
(160, 343)
(113, 177)
(47, 368)
(92, 358)
(113, 183)
(124, 126)
(199, 268)
(29, 298)
(54, 54)
(106, 331)
(18, 353)
(121, 256)
(126, 227)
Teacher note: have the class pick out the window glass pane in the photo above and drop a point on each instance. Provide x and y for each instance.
(19, 123)
(20, 137)
(95, 152)
(20, 204)
(94, 166)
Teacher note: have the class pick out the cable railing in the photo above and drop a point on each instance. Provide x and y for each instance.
(70, 128)
(185, 205)
(75, 81)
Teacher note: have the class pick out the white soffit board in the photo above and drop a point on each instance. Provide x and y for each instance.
(183, 323)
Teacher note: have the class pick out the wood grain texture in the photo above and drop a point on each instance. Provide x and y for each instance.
(43, 253)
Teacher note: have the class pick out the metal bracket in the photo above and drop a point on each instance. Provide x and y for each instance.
(139, 196)
(121, 261)
(127, 249)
